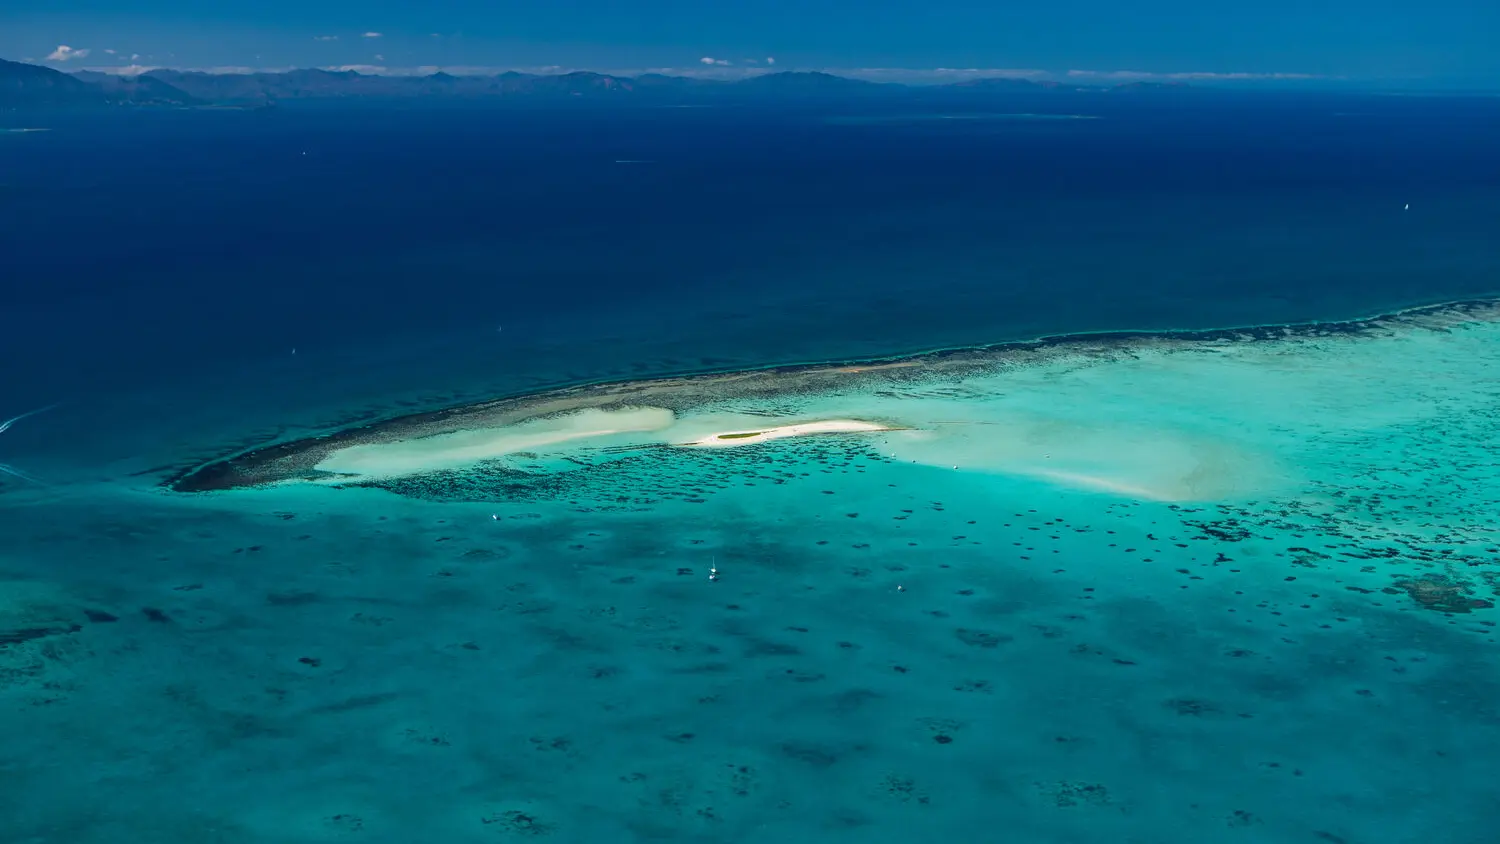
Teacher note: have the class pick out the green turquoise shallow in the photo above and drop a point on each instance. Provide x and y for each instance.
(1247, 549)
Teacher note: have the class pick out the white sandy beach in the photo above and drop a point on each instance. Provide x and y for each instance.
(829, 426)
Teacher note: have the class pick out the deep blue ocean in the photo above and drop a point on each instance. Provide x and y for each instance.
(467, 250)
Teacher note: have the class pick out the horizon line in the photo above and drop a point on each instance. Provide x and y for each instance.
(730, 74)
(719, 70)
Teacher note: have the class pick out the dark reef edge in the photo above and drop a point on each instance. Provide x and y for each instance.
(263, 464)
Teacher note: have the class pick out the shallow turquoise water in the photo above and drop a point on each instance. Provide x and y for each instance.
(1157, 590)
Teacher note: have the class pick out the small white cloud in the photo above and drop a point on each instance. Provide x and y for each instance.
(109, 52)
(134, 56)
(371, 35)
(64, 53)
(379, 58)
(770, 60)
(714, 61)
(325, 38)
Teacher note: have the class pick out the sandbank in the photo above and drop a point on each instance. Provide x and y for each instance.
(460, 449)
(829, 426)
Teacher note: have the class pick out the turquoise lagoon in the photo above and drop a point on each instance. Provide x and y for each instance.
(1174, 587)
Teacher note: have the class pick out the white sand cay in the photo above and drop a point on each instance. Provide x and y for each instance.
(565, 432)
(829, 426)
(467, 448)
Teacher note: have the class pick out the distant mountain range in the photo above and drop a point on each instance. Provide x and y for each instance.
(26, 85)
(32, 86)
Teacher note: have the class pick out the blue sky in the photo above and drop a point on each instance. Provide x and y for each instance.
(1356, 39)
